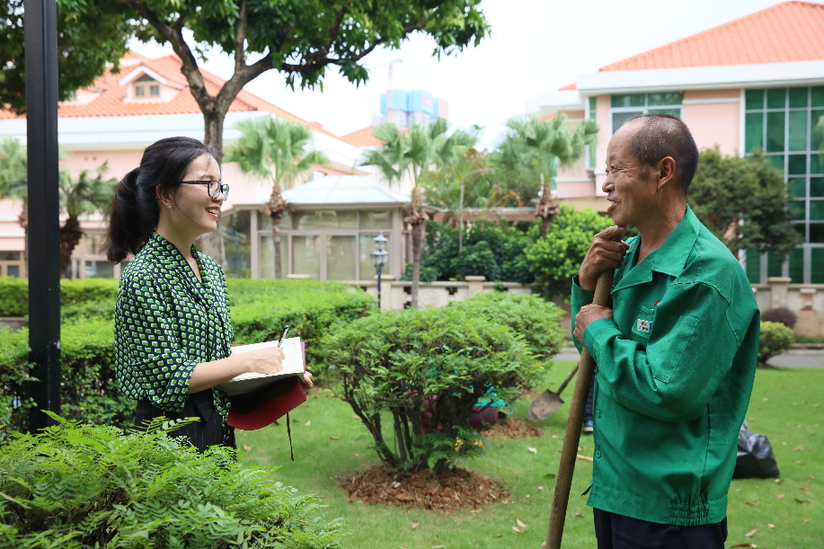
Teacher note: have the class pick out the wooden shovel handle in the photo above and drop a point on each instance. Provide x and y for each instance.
(572, 435)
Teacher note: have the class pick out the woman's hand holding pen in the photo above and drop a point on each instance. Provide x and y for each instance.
(268, 360)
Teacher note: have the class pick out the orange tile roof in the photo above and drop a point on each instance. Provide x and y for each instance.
(111, 95)
(573, 86)
(363, 138)
(785, 32)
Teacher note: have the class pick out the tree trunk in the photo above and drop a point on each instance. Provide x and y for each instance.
(70, 235)
(23, 220)
(277, 206)
(416, 217)
(547, 208)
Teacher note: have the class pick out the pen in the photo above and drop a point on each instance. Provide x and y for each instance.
(283, 335)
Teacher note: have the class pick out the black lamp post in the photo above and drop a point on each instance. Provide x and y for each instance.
(379, 258)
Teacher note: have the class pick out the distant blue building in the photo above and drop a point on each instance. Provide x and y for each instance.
(411, 107)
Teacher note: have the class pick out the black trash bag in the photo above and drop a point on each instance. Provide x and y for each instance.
(755, 456)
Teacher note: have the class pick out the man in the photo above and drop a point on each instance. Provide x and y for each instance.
(675, 354)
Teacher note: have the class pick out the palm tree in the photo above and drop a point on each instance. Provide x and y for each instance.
(543, 145)
(414, 153)
(85, 195)
(277, 149)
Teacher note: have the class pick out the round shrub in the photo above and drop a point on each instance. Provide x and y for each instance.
(423, 373)
(784, 315)
(775, 339)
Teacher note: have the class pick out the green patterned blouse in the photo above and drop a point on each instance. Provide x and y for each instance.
(166, 322)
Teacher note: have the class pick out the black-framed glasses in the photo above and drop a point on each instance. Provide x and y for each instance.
(214, 188)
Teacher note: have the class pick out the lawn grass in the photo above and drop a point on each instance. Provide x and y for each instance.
(784, 514)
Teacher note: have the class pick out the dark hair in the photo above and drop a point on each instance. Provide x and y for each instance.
(134, 212)
(665, 135)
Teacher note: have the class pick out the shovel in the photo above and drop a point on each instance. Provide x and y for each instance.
(547, 402)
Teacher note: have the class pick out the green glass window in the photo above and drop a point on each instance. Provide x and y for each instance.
(775, 131)
(237, 244)
(777, 161)
(797, 130)
(326, 219)
(817, 265)
(381, 219)
(777, 98)
(753, 266)
(816, 164)
(754, 131)
(796, 260)
(796, 164)
(817, 233)
(773, 266)
(817, 186)
(754, 99)
(340, 257)
(817, 96)
(673, 112)
(815, 137)
(816, 210)
(797, 187)
(306, 255)
(628, 100)
(671, 98)
(799, 98)
(618, 118)
(798, 210)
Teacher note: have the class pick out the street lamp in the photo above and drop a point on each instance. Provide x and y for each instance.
(379, 258)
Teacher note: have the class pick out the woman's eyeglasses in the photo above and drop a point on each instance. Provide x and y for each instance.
(214, 188)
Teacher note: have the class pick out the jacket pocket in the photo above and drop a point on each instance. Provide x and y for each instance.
(679, 335)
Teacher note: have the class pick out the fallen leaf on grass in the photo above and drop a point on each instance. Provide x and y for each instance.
(414, 524)
(745, 545)
(751, 533)
(801, 500)
(780, 496)
(308, 423)
(439, 547)
(579, 515)
(247, 447)
(516, 530)
(771, 525)
(533, 450)
(585, 458)
(335, 438)
(519, 523)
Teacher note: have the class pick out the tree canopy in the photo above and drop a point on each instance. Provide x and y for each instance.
(744, 202)
(90, 33)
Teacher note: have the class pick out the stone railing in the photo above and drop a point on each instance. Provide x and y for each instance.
(806, 300)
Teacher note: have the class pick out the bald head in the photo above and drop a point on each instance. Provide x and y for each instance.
(657, 136)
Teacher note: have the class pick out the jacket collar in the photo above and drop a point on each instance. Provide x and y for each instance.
(669, 259)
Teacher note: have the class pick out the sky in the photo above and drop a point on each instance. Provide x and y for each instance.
(536, 46)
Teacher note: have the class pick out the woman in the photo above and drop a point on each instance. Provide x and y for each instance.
(172, 326)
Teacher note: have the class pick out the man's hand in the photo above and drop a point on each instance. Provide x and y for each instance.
(606, 252)
(586, 316)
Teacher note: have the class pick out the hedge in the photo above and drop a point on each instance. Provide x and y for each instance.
(259, 309)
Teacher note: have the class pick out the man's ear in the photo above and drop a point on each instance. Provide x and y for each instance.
(666, 172)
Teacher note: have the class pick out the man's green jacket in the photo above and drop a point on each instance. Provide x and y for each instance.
(673, 379)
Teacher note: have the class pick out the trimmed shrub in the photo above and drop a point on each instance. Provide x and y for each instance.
(83, 486)
(780, 314)
(89, 391)
(427, 370)
(14, 296)
(538, 321)
(775, 338)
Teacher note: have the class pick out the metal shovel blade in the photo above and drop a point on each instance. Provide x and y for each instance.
(546, 403)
